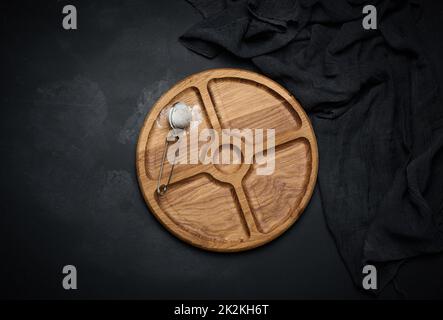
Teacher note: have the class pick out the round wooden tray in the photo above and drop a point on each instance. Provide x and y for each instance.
(230, 207)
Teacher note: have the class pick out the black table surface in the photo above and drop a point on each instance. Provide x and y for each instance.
(72, 105)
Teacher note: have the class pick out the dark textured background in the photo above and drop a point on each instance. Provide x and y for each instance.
(72, 104)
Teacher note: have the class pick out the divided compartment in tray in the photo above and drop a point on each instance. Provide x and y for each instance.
(276, 197)
(210, 209)
(234, 98)
(160, 128)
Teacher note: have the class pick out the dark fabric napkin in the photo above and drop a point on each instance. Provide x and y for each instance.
(374, 104)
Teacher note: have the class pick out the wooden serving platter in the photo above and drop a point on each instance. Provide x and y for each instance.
(230, 207)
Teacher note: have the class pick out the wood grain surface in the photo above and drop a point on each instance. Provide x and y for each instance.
(229, 207)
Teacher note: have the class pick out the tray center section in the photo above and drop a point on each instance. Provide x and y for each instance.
(227, 158)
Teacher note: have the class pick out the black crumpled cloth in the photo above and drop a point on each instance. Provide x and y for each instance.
(374, 104)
